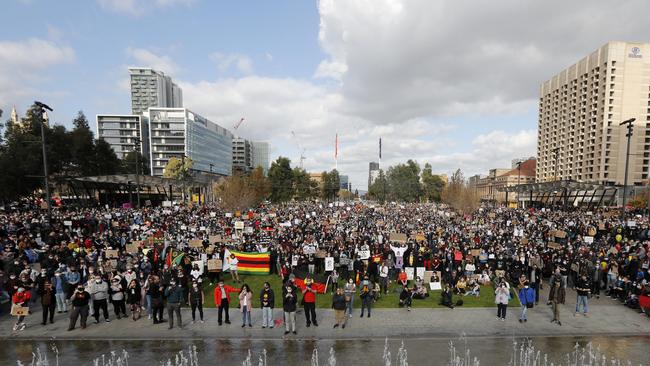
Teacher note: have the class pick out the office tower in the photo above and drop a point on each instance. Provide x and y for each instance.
(178, 132)
(242, 156)
(373, 172)
(151, 88)
(120, 132)
(580, 109)
(261, 155)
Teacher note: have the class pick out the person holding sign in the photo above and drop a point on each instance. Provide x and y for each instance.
(80, 300)
(309, 301)
(267, 300)
(21, 300)
(366, 295)
(232, 262)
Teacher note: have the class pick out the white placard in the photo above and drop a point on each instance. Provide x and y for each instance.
(167, 204)
(200, 264)
(228, 214)
(419, 272)
(239, 225)
(588, 239)
(183, 227)
(435, 286)
(313, 213)
(67, 223)
(213, 214)
(409, 273)
(294, 260)
(108, 216)
(329, 263)
(363, 254)
(202, 228)
(285, 224)
(631, 223)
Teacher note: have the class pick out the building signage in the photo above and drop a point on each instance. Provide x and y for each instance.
(635, 52)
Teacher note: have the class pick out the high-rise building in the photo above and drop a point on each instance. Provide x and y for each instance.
(373, 172)
(151, 88)
(261, 155)
(242, 155)
(121, 131)
(580, 109)
(344, 181)
(178, 132)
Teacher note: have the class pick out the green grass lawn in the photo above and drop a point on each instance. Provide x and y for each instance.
(324, 301)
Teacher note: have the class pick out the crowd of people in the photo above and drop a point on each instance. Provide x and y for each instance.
(81, 260)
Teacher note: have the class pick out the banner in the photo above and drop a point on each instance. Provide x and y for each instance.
(419, 272)
(214, 265)
(249, 263)
(329, 263)
(409, 273)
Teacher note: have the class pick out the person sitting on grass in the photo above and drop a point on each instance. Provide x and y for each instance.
(474, 289)
(402, 278)
(461, 286)
(484, 279)
(406, 298)
(446, 298)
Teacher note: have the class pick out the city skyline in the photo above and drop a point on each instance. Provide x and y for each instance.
(316, 74)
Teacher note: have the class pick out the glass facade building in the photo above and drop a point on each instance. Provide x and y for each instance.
(178, 132)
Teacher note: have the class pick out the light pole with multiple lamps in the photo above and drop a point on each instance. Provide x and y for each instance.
(41, 115)
(136, 148)
(629, 127)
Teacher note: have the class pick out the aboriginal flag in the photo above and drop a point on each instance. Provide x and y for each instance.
(319, 281)
(249, 263)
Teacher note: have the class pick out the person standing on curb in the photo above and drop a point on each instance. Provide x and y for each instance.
(339, 305)
(289, 307)
(583, 291)
(502, 296)
(48, 301)
(527, 299)
(80, 299)
(99, 293)
(21, 298)
(267, 301)
(366, 296)
(245, 301)
(174, 296)
(558, 295)
(309, 304)
(196, 300)
(222, 299)
(350, 291)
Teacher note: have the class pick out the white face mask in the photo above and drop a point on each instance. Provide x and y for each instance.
(98, 281)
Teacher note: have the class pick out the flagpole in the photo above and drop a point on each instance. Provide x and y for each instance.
(336, 152)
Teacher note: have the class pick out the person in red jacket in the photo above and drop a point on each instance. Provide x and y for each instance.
(21, 298)
(222, 299)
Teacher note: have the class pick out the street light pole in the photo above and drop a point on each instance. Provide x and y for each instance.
(556, 151)
(518, 178)
(629, 127)
(136, 148)
(40, 114)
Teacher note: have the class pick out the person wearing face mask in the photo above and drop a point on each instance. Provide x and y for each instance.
(350, 291)
(48, 301)
(20, 298)
(501, 298)
(134, 297)
(267, 301)
(116, 293)
(59, 285)
(222, 299)
(289, 303)
(196, 300)
(174, 296)
(99, 293)
(79, 303)
(527, 300)
(245, 302)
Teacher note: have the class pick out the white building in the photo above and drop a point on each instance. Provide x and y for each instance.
(121, 131)
(151, 88)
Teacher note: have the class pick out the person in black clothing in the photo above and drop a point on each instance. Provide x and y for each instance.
(196, 299)
(289, 302)
(157, 305)
(133, 298)
(406, 298)
(339, 305)
(48, 300)
(80, 299)
(267, 301)
(446, 299)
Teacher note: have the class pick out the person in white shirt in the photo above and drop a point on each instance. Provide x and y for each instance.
(232, 261)
(383, 277)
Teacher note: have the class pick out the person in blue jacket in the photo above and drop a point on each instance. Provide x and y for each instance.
(527, 299)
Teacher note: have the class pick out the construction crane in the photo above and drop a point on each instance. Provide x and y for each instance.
(302, 150)
(236, 126)
(302, 157)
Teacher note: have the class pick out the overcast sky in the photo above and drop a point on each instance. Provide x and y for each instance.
(454, 83)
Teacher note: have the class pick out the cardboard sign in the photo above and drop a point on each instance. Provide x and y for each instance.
(427, 276)
(199, 263)
(321, 253)
(435, 286)
(419, 272)
(196, 243)
(215, 239)
(553, 245)
(410, 272)
(588, 239)
(214, 265)
(239, 225)
(560, 234)
(329, 263)
(475, 252)
(112, 253)
(420, 237)
(131, 248)
(17, 310)
(398, 237)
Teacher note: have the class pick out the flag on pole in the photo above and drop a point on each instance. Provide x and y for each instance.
(336, 147)
(248, 263)
(380, 148)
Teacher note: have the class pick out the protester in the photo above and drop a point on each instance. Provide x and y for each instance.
(48, 302)
(583, 290)
(117, 296)
(21, 299)
(222, 299)
(245, 304)
(527, 300)
(501, 298)
(267, 301)
(350, 291)
(309, 304)
(134, 299)
(174, 295)
(557, 295)
(406, 298)
(79, 302)
(339, 305)
(366, 295)
(99, 293)
(289, 303)
(196, 300)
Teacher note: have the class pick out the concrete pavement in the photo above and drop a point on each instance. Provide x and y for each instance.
(607, 317)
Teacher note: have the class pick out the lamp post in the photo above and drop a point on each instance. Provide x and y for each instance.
(136, 148)
(42, 115)
(556, 153)
(629, 127)
(518, 179)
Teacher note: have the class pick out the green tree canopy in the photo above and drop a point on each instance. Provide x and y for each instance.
(331, 185)
(305, 188)
(432, 185)
(281, 178)
(404, 182)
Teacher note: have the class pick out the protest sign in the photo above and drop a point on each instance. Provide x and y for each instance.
(427, 276)
(435, 286)
(214, 265)
(196, 243)
(410, 271)
(329, 263)
(215, 239)
(419, 272)
(321, 253)
(17, 310)
(112, 253)
(553, 245)
(132, 248)
(239, 225)
(398, 237)
(198, 263)
(588, 239)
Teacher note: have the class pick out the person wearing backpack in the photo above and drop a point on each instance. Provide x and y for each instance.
(527, 299)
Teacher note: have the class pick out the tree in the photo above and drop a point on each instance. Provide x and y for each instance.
(404, 182)
(128, 163)
(236, 193)
(378, 190)
(305, 188)
(459, 195)
(432, 185)
(178, 168)
(260, 184)
(331, 185)
(105, 160)
(281, 178)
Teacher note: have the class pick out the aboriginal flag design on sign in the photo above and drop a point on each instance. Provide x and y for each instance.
(253, 263)
(318, 281)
